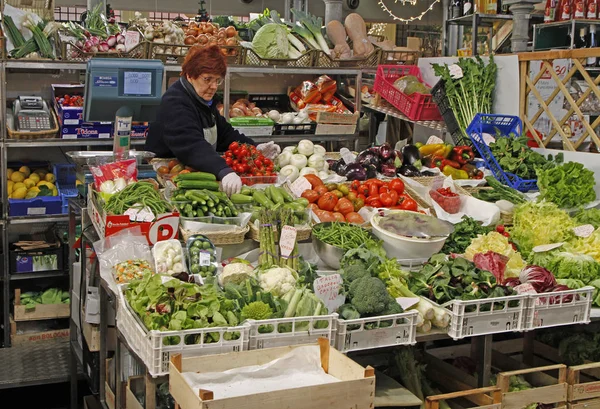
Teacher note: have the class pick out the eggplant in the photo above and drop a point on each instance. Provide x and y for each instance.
(371, 171)
(355, 171)
(385, 151)
(368, 157)
(341, 168)
(333, 164)
(409, 170)
(388, 169)
(410, 154)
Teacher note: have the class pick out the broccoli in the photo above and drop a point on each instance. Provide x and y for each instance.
(256, 310)
(348, 312)
(354, 272)
(392, 308)
(369, 296)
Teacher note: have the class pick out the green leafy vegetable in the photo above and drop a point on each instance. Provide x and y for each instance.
(515, 156)
(464, 232)
(588, 216)
(270, 41)
(566, 265)
(568, 185)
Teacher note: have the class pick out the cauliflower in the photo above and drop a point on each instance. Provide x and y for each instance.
(278, 280)
(236, 273)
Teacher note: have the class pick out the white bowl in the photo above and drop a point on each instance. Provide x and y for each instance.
(406, 248)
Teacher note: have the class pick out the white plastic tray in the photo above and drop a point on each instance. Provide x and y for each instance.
(559, 308)
(149, 345)
(307, 334)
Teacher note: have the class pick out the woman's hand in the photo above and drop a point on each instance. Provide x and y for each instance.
(231, 184)
(269, 149)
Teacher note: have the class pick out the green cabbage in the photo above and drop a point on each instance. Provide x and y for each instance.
(540, 223)
(270, 41)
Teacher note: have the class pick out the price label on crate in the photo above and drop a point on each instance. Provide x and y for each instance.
(287, 240)
(204, 259)
(299, 186)
(327, 289)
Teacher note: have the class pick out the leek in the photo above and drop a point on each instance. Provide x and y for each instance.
(313, 24)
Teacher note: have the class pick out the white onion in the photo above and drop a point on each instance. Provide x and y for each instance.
(120, 48)
(120, 39)
(111, 41)
(274, 115)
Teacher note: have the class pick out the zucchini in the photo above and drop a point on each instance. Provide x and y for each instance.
(198, 184)
(196, 176)
(238, 198)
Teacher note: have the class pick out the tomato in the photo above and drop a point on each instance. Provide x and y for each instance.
(235, 162)
(355, 218)
(500, 228)
(239, 168)
(373, 190)
(397, 185)
(344, 189)
(258, 163)
(325, 216)
(394, 195)
(339, 217)
(163, 170)
(228, 154)
(266, 161)
(233, 146)
(386, 199)
(327, 201)
(361, 197)
(243, 152)
(314, 180)
(246, 168)
(407, 203)
(270, 168)
(310, 195)
(173, 163)
(375, 203)
(355, 185)
(352, 195)
(376, 182)
(384, 189)
(337, 193)
(321, 190)
(236, 152)
(363, 190)
(358, 204)
(344, 206)
(313, 207)
(269, 173)
(229, 161)
(371, 199)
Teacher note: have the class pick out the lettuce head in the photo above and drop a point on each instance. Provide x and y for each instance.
(270, 41)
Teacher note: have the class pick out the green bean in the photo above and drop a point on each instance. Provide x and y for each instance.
(342, 235)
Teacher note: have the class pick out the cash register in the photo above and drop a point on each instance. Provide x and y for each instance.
(31, 114)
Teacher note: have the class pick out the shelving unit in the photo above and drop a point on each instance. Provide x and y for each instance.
(475, 21)
(559, 34)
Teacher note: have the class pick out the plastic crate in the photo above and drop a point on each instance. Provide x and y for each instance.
(559, 308)
(486, 316)
(280, 102)
(504, 126)
(249, 57)
(355, 335)
(306, 334)
(65, 183)
(150, 347)
(438, 92)
(292, 129)
(324, 60)
(416, 107)
(38, 206)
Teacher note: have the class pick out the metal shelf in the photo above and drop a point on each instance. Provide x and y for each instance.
(52, 218)
(291, 70)
(386, 108)
(45, 274)
(482, 19)
(57, 142)
(297, 138)
(38, 65)
(566, 23)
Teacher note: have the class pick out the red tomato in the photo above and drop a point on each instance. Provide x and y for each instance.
(373, 190)
(228, 154)
(339, 217)
(397, 185)
(371, 199)
(407, 203)
(386, 200)
(233, 146)
(267, 162)
(384, 189)
(327, 201)
(310, 195)
(325, 216)
(355, 218)
(344, 206)
(321, 190)
(313, 207)
(355, 185)
(229, 161)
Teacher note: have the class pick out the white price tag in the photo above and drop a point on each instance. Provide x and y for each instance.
(299, 186)
(139, 215)
(287, 240)
(327, 289)
(546, 247)
(132, 38)
(525, 289)
(204, 259)
(36, 211)
(347, 156)
(407, 302)
(584, 230)
(434, 140)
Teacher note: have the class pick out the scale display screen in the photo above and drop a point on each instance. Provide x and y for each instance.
(137, 83)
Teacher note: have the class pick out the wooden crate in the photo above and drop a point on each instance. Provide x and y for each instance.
(355, 389)
(39, 336)
(109, 395)
(39, 311)
(583, 394)
(134, 384)
(483, 398)
(547, 394)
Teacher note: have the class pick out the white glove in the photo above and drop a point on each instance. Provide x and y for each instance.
(231, 184)
(269, 149)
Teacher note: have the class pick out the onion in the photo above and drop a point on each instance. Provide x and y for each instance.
(231, 31)
(103, 46)
(120, 48)
(202, 39)
(87, 45)
(94, 49)
(79, 44)
(120, 39)
(189, 40)
(111, 41)
(231, 42)
(540, 278)
(95, 40)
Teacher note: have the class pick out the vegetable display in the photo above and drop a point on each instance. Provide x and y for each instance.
(515, 156)
(48, 296)
(343, 235)
(202, 256)
(128, 270)
(498, 243)
(169, 257)
(499, 191)
(245, 160)
(303, 159)
(462, 236)
(137, 196)
(200, 203)
(568, 185)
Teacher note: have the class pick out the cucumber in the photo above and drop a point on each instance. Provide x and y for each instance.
(198, 184)
(196, 176)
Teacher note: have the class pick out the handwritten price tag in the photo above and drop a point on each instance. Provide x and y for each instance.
(287, 240)
(584, 230)
(407, 302)
(140, 215)
(327, 289)
(525, 289)
(546, 247)
(299, 186)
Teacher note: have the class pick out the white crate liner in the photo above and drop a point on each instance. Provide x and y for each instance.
(296, 336)
(541, 313)
(402, 331)
(149, 346)
(500, 316)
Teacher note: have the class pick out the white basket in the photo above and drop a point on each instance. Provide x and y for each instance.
(149, 345)
(402, 331)
(543, 314)
(295, 336)
(501, 315)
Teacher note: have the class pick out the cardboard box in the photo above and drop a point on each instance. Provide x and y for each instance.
(331, 129)
(139, 130)
(88, 130)
(165, 227)
(35, 336)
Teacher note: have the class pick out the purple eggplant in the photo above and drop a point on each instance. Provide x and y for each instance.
(410, 154)
(388, 168)
(355, 171)
(385, 151)
(367, 157)
(333, 164)
(371, 171)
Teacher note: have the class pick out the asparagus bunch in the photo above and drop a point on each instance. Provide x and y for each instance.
(268, 250)
(286, 218)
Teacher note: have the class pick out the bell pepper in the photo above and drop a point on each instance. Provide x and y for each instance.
(472, 171)
(448, 162)
(462, 154)
(455, 173)
(431, 149)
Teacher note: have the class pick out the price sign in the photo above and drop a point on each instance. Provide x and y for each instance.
(287, 240)
(525, 289)
(407, 302)
(584, 230)
(327, 289)
(299, 186)
(139, 215)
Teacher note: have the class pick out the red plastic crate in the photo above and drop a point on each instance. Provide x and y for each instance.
(416, 107)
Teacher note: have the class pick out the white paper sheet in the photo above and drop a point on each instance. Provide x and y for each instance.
(299, 368)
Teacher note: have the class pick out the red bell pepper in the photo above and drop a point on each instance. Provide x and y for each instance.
(462, 154)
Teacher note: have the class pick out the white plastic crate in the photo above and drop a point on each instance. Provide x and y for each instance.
(402, 330)
(150, 347)
(302, 331)
(559, 308)
(486, 316)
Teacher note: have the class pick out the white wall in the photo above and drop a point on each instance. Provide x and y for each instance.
(368, 9)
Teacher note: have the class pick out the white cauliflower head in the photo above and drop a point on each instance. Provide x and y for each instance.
(278, 280)
(236, 273)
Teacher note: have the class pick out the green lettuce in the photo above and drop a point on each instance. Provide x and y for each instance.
(567, 265)
(568, 185)
(587, 245)
(270, 41)
(589, 216)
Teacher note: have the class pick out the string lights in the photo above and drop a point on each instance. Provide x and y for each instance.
(410, 19)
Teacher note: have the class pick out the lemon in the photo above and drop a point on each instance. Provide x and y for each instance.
(31, 194)
(17, 177)
(34, 189)
(9, 186)
(9, 172)
(19, 193)
(35, 177)
(54, 191)
(50, 178)
(19, 185)
(29, 183)
(25, 171)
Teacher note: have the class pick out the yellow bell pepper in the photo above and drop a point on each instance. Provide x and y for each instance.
(430, 149)
(455, 173)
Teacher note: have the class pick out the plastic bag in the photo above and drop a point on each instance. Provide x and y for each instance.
(124, 256)
(309, 92)
(327, 87)
(115, 176)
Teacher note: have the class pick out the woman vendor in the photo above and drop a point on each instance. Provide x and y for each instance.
(188, 125)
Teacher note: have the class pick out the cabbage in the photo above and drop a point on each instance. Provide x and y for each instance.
(270, 41)
(540, 223)
(496, 242)
(541, 279)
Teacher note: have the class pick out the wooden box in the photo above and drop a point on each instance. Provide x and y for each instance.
(39, 311)
(583, 394)
(482, 398)
(134, 384)
(546, 394)
(31, 335)
(356, 388)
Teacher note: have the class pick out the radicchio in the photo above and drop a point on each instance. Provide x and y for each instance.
(541, 279)
(493, 262)
(567, 298)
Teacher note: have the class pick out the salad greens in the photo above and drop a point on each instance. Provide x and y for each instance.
(588, 216)
(50, 296)
(464, 232)
(515, 156)
(567, 265)
(568, 185)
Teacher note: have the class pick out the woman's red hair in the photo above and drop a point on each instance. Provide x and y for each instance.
(204, 60)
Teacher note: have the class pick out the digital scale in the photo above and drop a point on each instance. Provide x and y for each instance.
(31, 114)
(123, 91)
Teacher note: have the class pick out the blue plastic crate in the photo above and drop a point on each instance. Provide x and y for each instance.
(38, 206)
(65, 183)
(505, 126)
